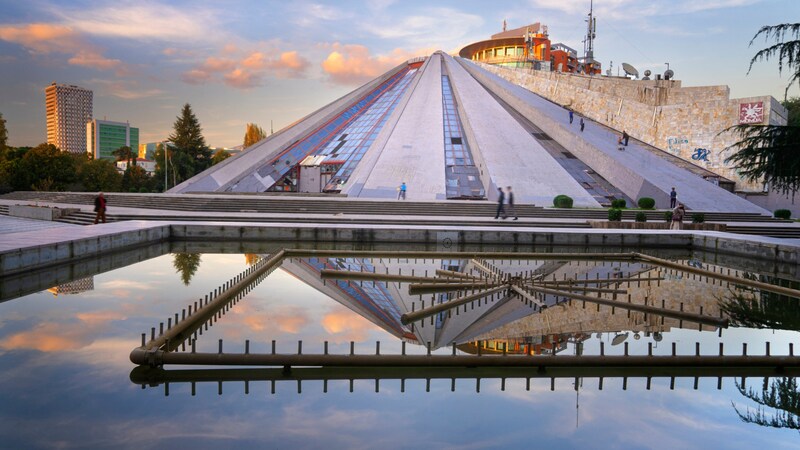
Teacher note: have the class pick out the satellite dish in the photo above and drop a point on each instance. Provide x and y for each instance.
(669, 74)
(630, 70)
(619, 339)
(647, 73)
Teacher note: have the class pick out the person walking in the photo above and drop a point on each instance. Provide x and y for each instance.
(100, 208)
(402, 191)
(570, 116)
(511, 210)
(673, 198)
(677, 217)
(625, 138)
(582, 124)
(500, 200)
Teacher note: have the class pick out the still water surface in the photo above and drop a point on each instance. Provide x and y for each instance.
(65, 373)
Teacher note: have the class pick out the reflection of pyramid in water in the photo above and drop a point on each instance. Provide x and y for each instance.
(386, 303)
(412, 124)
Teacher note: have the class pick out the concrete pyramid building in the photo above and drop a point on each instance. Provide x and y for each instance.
(451, 130)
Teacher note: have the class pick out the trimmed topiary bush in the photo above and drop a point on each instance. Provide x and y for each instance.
(668, 216)
(614, 215)
(646, 203)
(641, 217)
(698, 218)
(562, 201)
(783, 214)
(619, 203)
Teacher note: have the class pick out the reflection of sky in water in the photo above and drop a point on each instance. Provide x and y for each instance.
(64, 372)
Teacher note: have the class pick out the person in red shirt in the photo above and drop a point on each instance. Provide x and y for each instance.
(100, 208)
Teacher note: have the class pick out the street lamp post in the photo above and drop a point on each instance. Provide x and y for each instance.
(166, 165)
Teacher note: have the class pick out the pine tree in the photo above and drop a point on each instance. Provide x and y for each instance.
(186, 264)
(770, 152)
(253, 133)
(188, 140)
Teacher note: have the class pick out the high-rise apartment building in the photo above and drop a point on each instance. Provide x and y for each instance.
(103, 137)
(69, 108)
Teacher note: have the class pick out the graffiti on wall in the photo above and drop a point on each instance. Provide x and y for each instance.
(701, 154)
(674, 144)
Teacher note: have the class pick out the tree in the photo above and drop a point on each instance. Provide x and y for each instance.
(187, 138)
(792, 105)
(100, 175)
(3, 136)
(124, 153)
(782, 395)
(186, 264)
(45, 167)
(135, 178)
(219, 156)
(252, 134)
(770, 152)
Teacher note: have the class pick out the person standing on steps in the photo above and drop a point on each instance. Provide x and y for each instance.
(582, 124)
(511, 210)
(673, 198)
(100, 208)
(570, 116)
(625, 138)
(500, 200)
(677, 217)
(402, 191)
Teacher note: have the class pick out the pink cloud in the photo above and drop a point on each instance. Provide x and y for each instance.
(353, 64)
(43, 38)
(247, 70)
(62, 336)
(347, 326)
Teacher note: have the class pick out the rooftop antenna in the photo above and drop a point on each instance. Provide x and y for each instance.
(504, 24)
(271, 131)
(588, 43)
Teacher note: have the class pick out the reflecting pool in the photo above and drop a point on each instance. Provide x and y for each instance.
(67, 336)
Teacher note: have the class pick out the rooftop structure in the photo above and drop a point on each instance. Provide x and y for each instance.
(69, 109)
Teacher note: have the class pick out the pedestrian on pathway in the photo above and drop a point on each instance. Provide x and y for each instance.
(582, 124)
(401, 191)
(100, 208)
(673, 198)
(625, 137)
(511, 210)
(500, 200)
(570, 116)
(677, 217)
(620, 146)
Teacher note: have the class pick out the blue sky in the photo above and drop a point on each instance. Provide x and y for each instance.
(268, 61)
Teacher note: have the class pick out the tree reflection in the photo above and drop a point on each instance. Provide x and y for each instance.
(779, 394)
(251, 258)
(186, 264)
(758, 309)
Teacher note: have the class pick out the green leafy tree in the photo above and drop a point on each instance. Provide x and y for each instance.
(770, 152)
(219, 156)
(45, 167)
(186, 264)
(252, 134)
(3, 136)
(792, 105)
(100, 175)
(124, 153)
(187, 137)
(135, 178)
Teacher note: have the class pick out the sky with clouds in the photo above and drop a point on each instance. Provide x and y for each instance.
(272, 62)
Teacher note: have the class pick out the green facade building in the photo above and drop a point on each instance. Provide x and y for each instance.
(103, 137)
